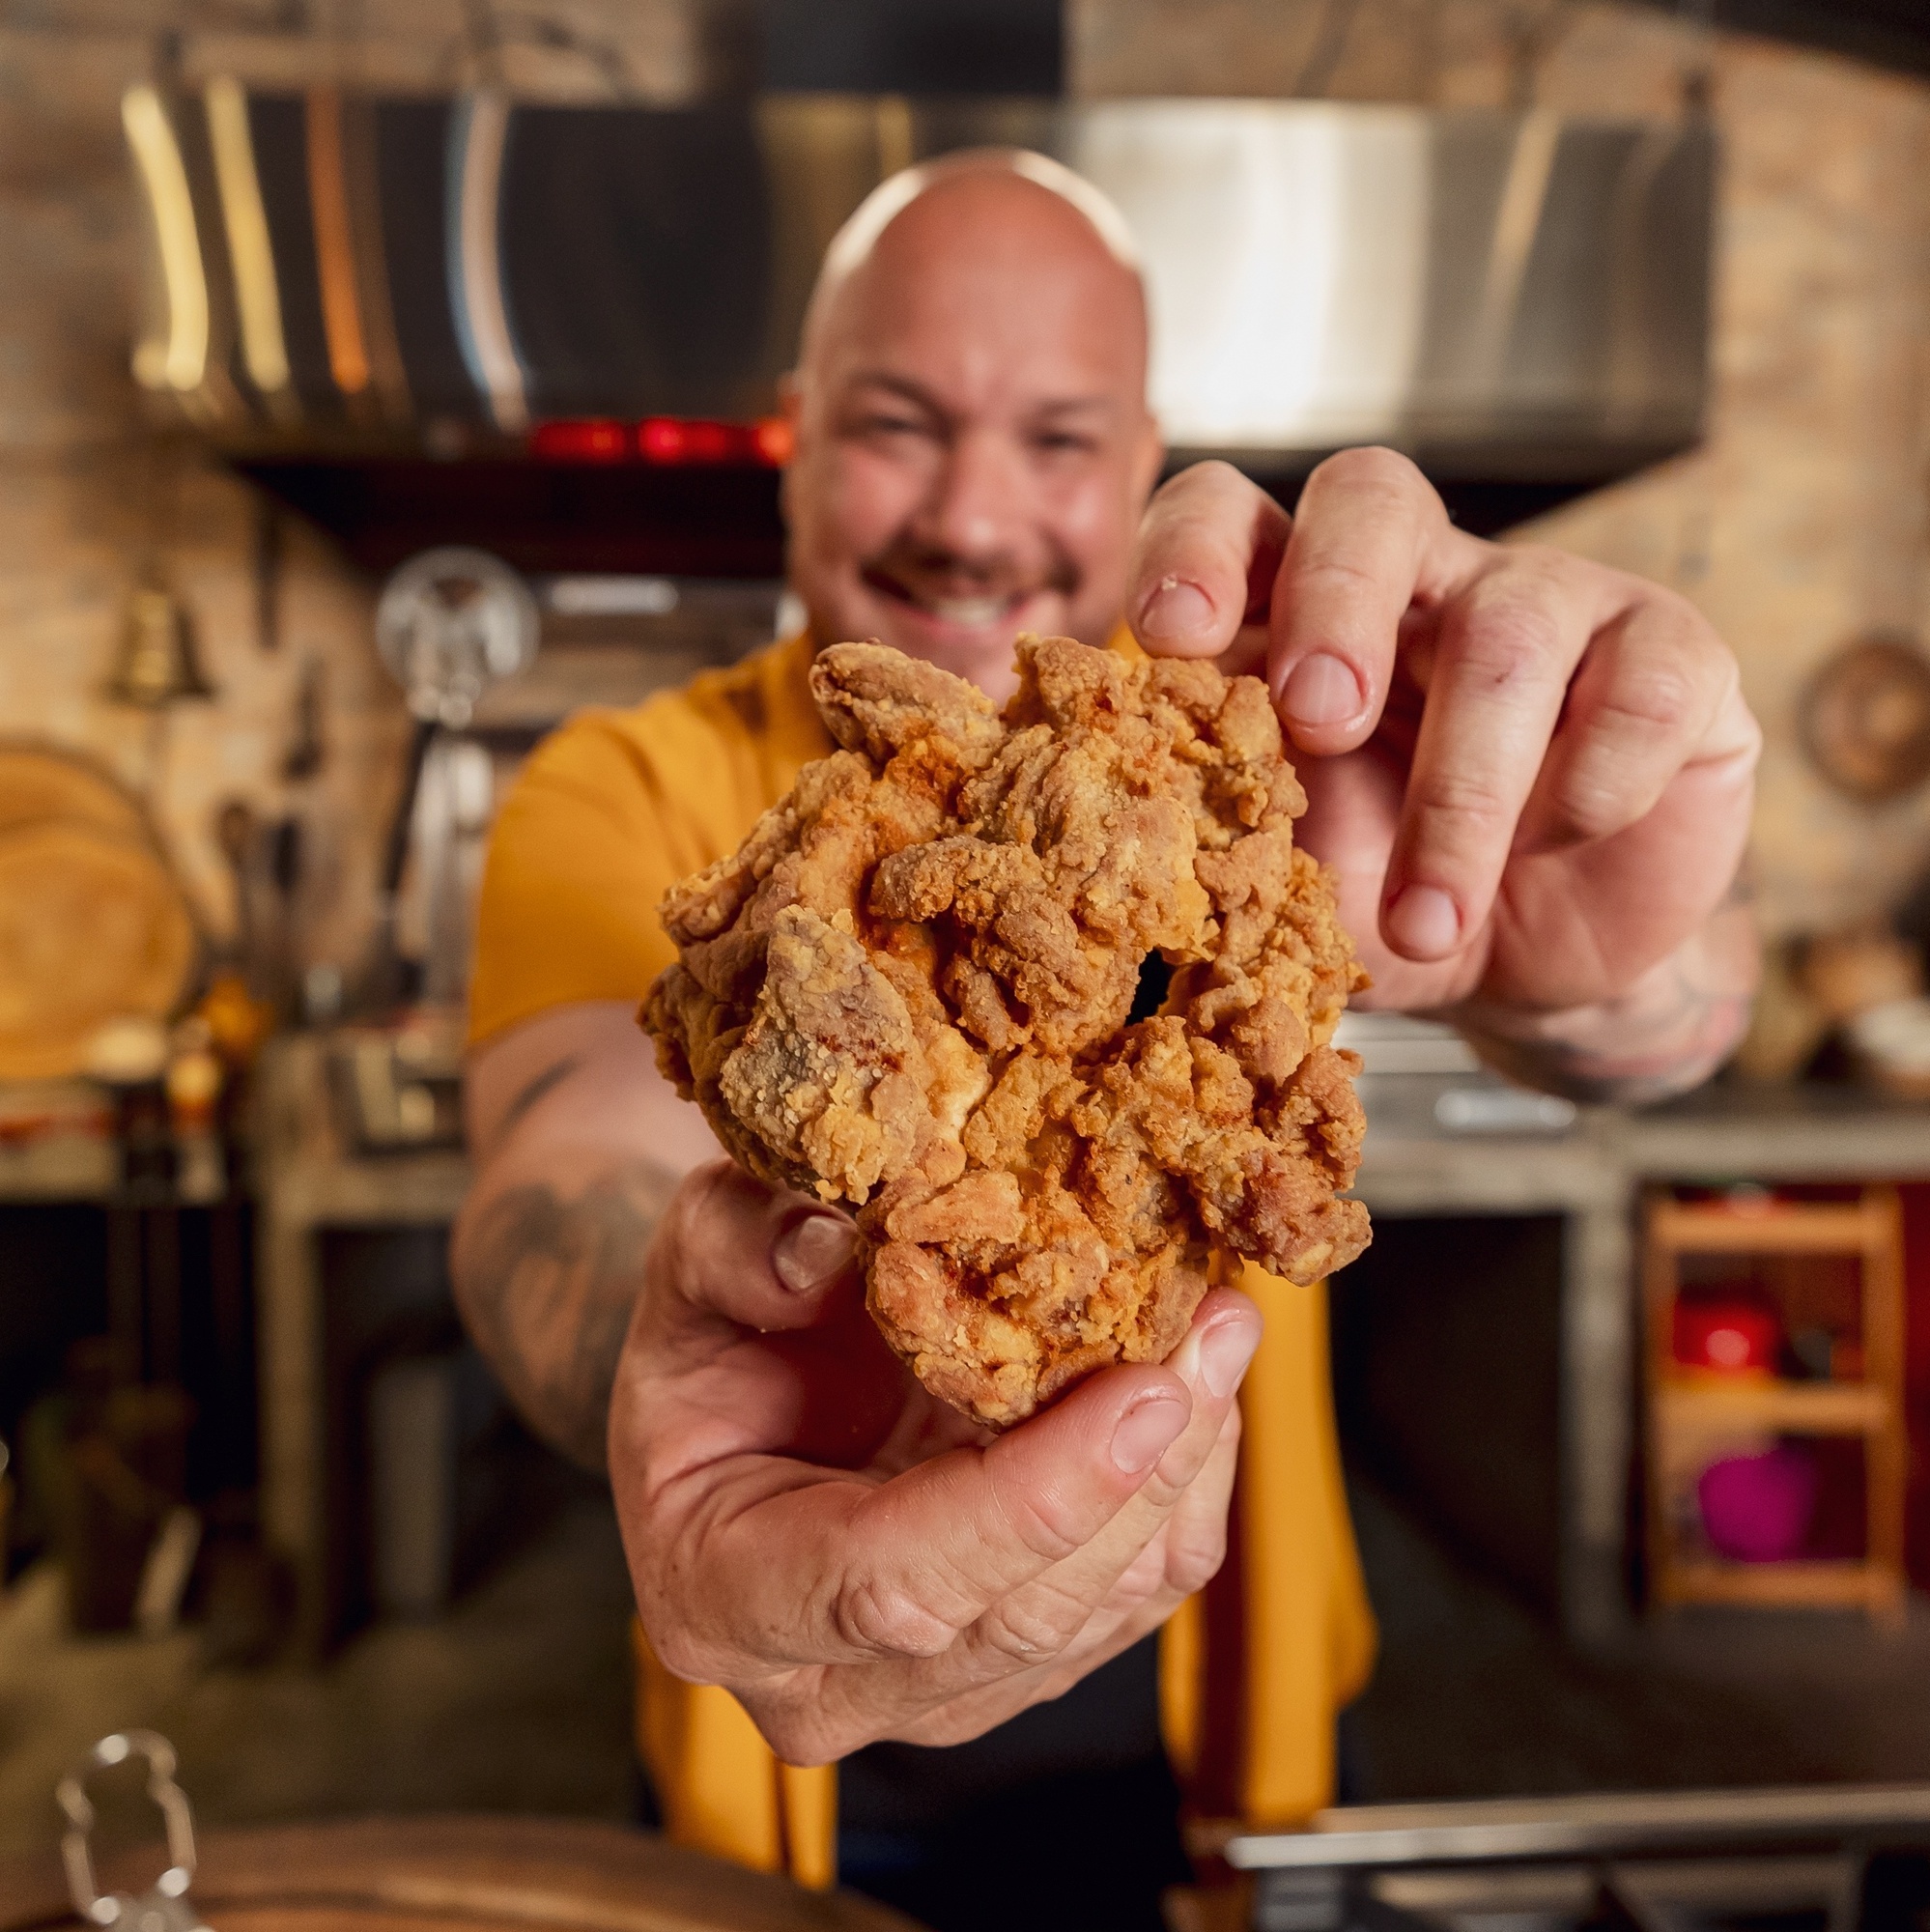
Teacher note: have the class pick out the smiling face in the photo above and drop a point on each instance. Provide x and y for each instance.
(973, 448)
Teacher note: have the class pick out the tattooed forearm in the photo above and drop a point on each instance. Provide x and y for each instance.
(1672, 1029)
(532, 1091)
(547, 1285)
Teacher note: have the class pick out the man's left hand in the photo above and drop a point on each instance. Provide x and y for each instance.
(1532, 775)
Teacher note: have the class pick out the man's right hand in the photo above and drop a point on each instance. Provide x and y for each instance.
(807, 1527)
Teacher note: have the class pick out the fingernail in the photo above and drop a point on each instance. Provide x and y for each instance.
(1321, 690)
(1224, 1351)
(1175, 609)
(813, 1251)
(1146, 1431)
(1423, 922)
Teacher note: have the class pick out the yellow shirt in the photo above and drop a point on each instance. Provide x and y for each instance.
(611, 810)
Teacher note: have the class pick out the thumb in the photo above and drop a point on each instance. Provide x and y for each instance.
(732, 1253)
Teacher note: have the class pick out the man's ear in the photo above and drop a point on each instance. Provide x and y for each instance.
(1147, 460)
(790, 407)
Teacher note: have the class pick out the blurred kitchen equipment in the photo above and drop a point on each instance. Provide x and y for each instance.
(1727, 1336)
(1868, 983)
(1518, 298)
(450, 622)
(411, 1452)
(463, 1874)
(235, 833)
(92, 922)
(1848, 973)
(1786, 1025)
(165, 1906)
(1865, 718)
(38, 783)
(1847, 1857)
(1695, 1419)
(93, 925)
(1420, 1077)
(109, 1471)
(1758, 1509)
(158, 663)
(306, 747)
(1889, 1047)
(399, 1088)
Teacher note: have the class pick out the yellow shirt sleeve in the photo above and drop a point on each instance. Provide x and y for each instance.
(611, 811)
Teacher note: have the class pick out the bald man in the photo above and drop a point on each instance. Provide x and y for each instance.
(1532, 775)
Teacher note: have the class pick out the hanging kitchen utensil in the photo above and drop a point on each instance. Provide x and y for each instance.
(1864, 718)
(165, 1906)
(450, 623)
(158, 663)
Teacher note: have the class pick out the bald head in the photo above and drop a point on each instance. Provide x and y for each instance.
(1069, 219)
(974, 446)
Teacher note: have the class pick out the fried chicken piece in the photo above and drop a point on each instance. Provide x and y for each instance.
(910, 988)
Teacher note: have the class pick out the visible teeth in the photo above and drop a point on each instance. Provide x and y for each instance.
(968, 610)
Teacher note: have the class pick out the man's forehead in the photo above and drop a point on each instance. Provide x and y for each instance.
(983, 263)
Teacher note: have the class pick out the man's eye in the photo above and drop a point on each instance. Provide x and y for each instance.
(884, 425)
(1064, 442)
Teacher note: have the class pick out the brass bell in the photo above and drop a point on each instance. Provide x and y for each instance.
(158, 664)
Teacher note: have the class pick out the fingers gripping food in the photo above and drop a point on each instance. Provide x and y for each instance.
(910, 991)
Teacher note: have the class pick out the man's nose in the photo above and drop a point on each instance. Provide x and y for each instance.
(976, 506)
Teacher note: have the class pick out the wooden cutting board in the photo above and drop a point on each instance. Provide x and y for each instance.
(93, 927)
(37, 784)
(462, 1875)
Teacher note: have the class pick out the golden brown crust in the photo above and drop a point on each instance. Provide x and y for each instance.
(909, 991)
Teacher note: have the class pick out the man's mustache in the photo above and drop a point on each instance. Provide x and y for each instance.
(903, 566)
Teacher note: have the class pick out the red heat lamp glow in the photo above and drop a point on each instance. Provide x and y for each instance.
(766, 443)
(592, 440)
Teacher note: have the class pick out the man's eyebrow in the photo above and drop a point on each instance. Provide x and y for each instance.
(1077, 406)
(900, 386)
(916, 393)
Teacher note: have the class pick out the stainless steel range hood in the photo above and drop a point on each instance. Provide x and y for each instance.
(1514, 295)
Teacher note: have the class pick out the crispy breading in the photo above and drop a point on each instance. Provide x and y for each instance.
(909, 990)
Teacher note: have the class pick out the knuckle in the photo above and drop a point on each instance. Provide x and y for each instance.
(1210, 479)
(1045, 1520)
(1026, 1629)
(1510, 637)
(1341, 571)
(1591, 804)
(1471, 799)
(1194, 1554)
(1648, 699)
(1541, 561)
(889, 1622)
(1143, 1578)
(1375, 468)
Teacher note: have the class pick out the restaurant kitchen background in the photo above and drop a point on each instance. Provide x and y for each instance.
(210, 647)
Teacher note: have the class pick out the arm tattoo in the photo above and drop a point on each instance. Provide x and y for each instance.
(547, 1287)
(532, 1091)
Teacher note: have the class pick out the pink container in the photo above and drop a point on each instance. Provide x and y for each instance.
(1758, 1509)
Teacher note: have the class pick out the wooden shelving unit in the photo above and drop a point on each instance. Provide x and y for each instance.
(1687, 1414)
